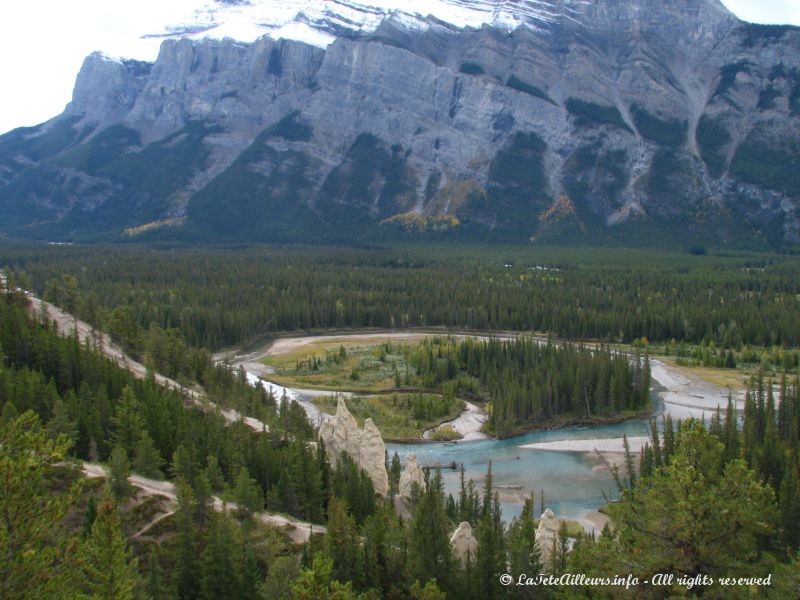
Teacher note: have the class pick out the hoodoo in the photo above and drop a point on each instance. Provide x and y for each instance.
(411, 474)
(365, 447)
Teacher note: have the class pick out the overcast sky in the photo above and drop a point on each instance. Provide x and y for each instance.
(44, 42)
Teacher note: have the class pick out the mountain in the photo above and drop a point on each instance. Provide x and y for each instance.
(549, 119)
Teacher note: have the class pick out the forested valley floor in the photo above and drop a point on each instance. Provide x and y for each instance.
(720, 499)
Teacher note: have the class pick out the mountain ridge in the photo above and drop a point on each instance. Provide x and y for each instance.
(651, 115)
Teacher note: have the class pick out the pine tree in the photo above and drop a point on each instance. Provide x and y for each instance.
(220, 568)
(731, 440)
(61, 424)
(429, 591)
(186, 570)
(343, 545)
(203, 497)
(375, 566)
(128, 422)
(430, 555)
(283, 572)
(315, 583)
(183, 464)
(119, 469)
(33, 566)
(146, 459)
(156, 585)
(214, 473)
(789, 506)
(251, 575)
(695, 514)
(9, 414)
(524, 556)
(108, 570)
(490, 560)
(395, 470)
(247, 495)
(89, 517)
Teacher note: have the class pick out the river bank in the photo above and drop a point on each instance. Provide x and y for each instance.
(563, 463)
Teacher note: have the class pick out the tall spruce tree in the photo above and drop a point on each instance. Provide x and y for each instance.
(119, 469)
(108, 569)
(430, 555)
(490, 559)
(186, 572)
(36, 562)
(524, 555)
(220, 572)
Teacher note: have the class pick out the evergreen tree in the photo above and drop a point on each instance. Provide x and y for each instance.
(128, 422)
(247, 495)
(731, 440)
(524, 556)
(214, 473)
(429, 591)
(343, 545)
(203, 497)
(395, 470)
(61, 424)
(186, 569)
(183, 464)
(646, 380)
(9, 414)
(156, 585)
(146, 459)
(315, 583)
(108, 569)
(119, 469)
(220, 568)
(430, 555)
(251, 576)
(89, 517)
(36, 559)
(694, 516)
(283, 572)
(789, 506)
(561, 550)
(490, 560)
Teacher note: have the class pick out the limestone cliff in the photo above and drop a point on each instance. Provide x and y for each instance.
(644, 116)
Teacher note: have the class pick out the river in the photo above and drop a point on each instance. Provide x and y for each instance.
(561, 463)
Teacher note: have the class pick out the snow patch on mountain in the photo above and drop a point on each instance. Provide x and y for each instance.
(318, 22)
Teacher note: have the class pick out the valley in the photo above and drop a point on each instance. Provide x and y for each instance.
(548, 431)
(393, 299)
(678, 392)
(496, 121)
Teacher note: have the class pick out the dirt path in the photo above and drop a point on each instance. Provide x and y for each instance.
(67, 324)
(143, 531)
(298, 531)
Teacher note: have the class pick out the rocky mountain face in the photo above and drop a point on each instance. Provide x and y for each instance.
(602, 119)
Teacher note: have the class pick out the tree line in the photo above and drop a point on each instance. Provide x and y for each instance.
(219, 297)
(530, 381)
